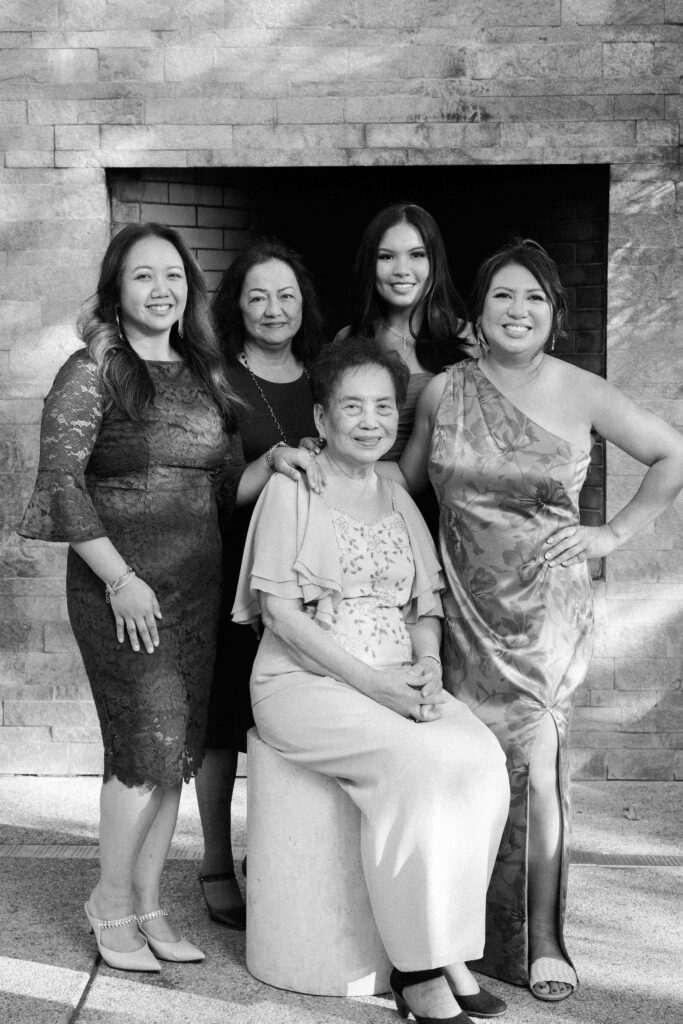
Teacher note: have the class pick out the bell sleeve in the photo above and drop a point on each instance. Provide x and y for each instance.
(60, 508)
(290, 552)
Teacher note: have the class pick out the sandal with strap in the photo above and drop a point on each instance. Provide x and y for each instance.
(404, 979)
(179, 952)
(141, 959)
(547, 969)
(232, 917)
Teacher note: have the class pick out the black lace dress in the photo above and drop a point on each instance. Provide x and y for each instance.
(156, 490)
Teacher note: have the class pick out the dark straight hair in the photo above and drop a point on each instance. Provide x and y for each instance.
(444, 314)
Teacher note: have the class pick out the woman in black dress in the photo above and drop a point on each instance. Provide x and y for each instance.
(270, 326)
(138, 453)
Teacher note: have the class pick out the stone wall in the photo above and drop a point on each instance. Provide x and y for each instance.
(87, 85)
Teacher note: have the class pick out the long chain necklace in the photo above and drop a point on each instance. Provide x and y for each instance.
(397, 334)
(245, 363)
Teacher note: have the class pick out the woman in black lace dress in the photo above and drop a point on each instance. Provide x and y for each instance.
(139, 458)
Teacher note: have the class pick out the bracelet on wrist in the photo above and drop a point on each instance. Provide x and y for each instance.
(432, 657)
(268, 456)
(118, 584)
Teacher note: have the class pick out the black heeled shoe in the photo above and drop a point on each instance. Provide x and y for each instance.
(483, 1004)
(232, 917)
(402, 979)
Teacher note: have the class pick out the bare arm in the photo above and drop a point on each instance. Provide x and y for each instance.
(646, 438)
(396, 689)
(413, 461)
(285, 460)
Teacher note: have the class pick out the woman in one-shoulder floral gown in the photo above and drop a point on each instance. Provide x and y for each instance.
(506, 443)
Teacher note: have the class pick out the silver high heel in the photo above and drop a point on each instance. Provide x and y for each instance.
(179, 952)
(141, 959)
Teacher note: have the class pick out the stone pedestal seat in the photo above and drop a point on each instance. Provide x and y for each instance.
(309, 923)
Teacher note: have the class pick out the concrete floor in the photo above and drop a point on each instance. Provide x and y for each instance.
(623, 926)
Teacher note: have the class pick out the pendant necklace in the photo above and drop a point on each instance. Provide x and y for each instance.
(245, 363)
(397, 334)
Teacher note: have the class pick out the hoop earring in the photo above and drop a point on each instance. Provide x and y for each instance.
(481, 340)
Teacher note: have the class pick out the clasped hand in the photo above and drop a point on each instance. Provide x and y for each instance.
(574, 544)
(414, 691)
(136, 610)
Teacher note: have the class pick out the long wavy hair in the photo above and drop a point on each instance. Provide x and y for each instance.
(527, 253)
(124, 374)
(227, 313)
(444, 314)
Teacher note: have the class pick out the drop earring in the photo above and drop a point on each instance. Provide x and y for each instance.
(481, 340)
(118, 323)
(180, 327)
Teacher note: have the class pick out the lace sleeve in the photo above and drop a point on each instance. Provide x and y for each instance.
(60, 508)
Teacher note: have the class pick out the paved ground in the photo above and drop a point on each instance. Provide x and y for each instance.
(623, 928)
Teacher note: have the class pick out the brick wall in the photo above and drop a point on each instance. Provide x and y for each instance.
(87, 86)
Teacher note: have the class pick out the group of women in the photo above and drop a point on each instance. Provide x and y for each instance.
(411, 678)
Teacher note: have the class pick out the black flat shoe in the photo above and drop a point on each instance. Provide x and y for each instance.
(483, 1004)
(402, 979)
(231, 917)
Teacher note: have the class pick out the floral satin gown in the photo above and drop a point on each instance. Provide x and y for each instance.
(157, 490)
(518, 635)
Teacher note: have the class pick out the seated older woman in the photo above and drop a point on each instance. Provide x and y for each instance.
(347, 682)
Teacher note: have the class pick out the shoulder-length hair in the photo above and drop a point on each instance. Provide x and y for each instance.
(444, 314)
(527, 253)
(227, 313)
(124, 375)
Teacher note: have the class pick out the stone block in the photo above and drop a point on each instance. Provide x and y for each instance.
(534, 60)
(638, 107)
(220, 217)
(299, 137)
(36, 16)
(596, 718)
(85, 758)
(59, 638)
(128, 190)
(55, 668)
(579, 133)
(32, 756)
(64, 713)
(587, 764)
(621, 60)
(177, 216)
(606, 12)
(673, 11)
(657, 133)
(210, 110)
(12, 669)
(648, 674)
(601, 673)
(642, 764)
(668, 59)
(83, 136)
(77, 734)
(130, 64)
